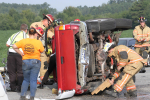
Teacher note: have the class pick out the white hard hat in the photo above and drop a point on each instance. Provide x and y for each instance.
(107, 46)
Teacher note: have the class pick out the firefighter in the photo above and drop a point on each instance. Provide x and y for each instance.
(52, 63)
(141, 34)
(45, 25)
(129, 63)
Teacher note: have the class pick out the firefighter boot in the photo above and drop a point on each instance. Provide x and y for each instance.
(142, 70)
(131, 94)
(112, 92)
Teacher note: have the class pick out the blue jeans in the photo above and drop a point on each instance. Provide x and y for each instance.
(30, 68)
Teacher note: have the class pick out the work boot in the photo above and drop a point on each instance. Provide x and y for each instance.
(50, 82)
(142, 70)
(40, 86)
(22, 98)
(131, 94)
(112, 92)
(31, 98)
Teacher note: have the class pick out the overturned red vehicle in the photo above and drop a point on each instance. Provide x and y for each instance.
(81, 63)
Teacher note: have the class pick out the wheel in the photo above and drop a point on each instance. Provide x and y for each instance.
(91, 67)
(123, 24)
(104, 24)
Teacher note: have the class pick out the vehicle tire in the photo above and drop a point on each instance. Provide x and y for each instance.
(123, 24)
(104, 24)
(91, 67)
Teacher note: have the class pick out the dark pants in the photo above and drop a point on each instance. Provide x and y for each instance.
(14, 66)
(52, 65)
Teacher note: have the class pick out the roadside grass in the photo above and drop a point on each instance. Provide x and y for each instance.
(4, 35)
(127, 34)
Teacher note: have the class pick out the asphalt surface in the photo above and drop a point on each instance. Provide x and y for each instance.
(142, 83)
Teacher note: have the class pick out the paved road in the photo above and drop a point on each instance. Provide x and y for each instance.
(142, 82)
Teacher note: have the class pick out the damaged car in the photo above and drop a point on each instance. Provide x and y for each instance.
(80, 58)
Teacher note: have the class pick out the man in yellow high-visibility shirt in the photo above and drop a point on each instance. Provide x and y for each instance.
(14, 60)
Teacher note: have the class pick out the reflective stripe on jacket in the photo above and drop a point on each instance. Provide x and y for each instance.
(17, 37)
(133, 57)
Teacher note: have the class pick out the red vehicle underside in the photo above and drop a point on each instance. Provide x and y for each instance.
(63, 44)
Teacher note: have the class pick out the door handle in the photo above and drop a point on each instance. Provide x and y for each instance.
(62, 60)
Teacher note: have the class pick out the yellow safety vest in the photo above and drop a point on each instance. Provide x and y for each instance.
(17, 37)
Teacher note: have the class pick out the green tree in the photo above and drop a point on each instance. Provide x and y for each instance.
(43, 11)
(72, 11)
(63, 16)
(138, 10)
(37, 19)
(21, 21)
(30, 16)
(45, 5)
(14, 14)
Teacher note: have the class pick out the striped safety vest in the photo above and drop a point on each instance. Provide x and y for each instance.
(17, 37)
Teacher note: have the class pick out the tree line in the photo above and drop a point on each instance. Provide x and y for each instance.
(13, 15)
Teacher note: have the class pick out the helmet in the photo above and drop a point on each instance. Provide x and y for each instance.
(49, 17)
(77, 20)
(39, 30)
(107, 46)
(142, 19)
(59, 21)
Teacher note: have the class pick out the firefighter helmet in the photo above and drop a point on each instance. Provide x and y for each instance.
(49, 17)
(39, 30)
(142, 19)
(77, 20)
(108, 46)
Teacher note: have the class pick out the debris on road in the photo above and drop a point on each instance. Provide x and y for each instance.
(104, 85)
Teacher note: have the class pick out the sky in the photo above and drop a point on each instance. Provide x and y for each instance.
(60, 4)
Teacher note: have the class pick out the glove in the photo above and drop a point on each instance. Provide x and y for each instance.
(119, 68)
(144, 40)
(111, 81)
(49, 52)
(140, 40)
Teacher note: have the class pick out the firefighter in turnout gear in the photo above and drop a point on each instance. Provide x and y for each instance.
(45, 25)
(141, 34)
(129, 63)
(52, 62)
